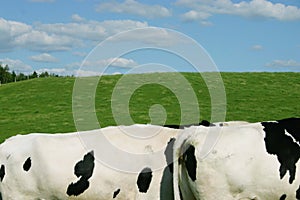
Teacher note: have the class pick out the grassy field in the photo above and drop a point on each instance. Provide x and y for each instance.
(45, 104)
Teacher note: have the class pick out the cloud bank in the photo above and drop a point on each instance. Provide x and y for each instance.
(201, 10)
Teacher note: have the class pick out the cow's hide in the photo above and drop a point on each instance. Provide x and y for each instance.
(83, 166)
(249, 161)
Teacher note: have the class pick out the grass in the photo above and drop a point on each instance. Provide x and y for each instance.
(262, 96)
(45, 105)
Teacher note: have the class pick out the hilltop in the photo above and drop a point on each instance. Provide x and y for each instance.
(45, 104)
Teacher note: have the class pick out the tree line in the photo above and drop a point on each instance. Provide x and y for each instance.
(6, 76)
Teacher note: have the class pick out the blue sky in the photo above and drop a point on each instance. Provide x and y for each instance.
(58, 35)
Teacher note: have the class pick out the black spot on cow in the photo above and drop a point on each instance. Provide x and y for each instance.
(284, 145)
(202, 123)
(0, 196)
(2, 172)
(206, 123)
(283, 197)
(174, 126)
(292, 125)
(85, 167)
(116, 193)
(78, 188)
(144, 179)
(169, 154)
(298, 193)
(190, 162)
(83, 170)
(27, 164)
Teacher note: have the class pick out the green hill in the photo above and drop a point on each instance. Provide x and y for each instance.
(45, 104)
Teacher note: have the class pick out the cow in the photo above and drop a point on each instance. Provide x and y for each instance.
(248, 161)
(82, 165)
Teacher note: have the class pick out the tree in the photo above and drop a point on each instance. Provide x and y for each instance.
(21, 77)
(5, 76)
(14, 76)
(1, 73)
(44, 74)
(33, 75)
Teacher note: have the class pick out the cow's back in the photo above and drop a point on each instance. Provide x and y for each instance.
(67, 166)
(237, 167)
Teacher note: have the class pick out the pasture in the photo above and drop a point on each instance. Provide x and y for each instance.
(45, 104)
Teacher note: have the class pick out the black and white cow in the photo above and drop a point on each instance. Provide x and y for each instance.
(69, 166)
(255, 161)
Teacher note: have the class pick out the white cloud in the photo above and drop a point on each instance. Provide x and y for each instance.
(15, 35)
(203, 9)
(158, 37)
(16, 65)
(114, 62)
(136, 8)
(117, 73)
(9, 31)
(206, 23)
(284, 64)
(68, 72)
(77, 18)
(80, 54)
(85, 73)
(122, 62)
(46, 38)
(95, 31)
(44, 42)
(193, 15)
(58, 71)
(44, 57)
(117, 26)
(59, 36)
(91, 30)
(96, 67)
(20, 67)
(257, 47)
